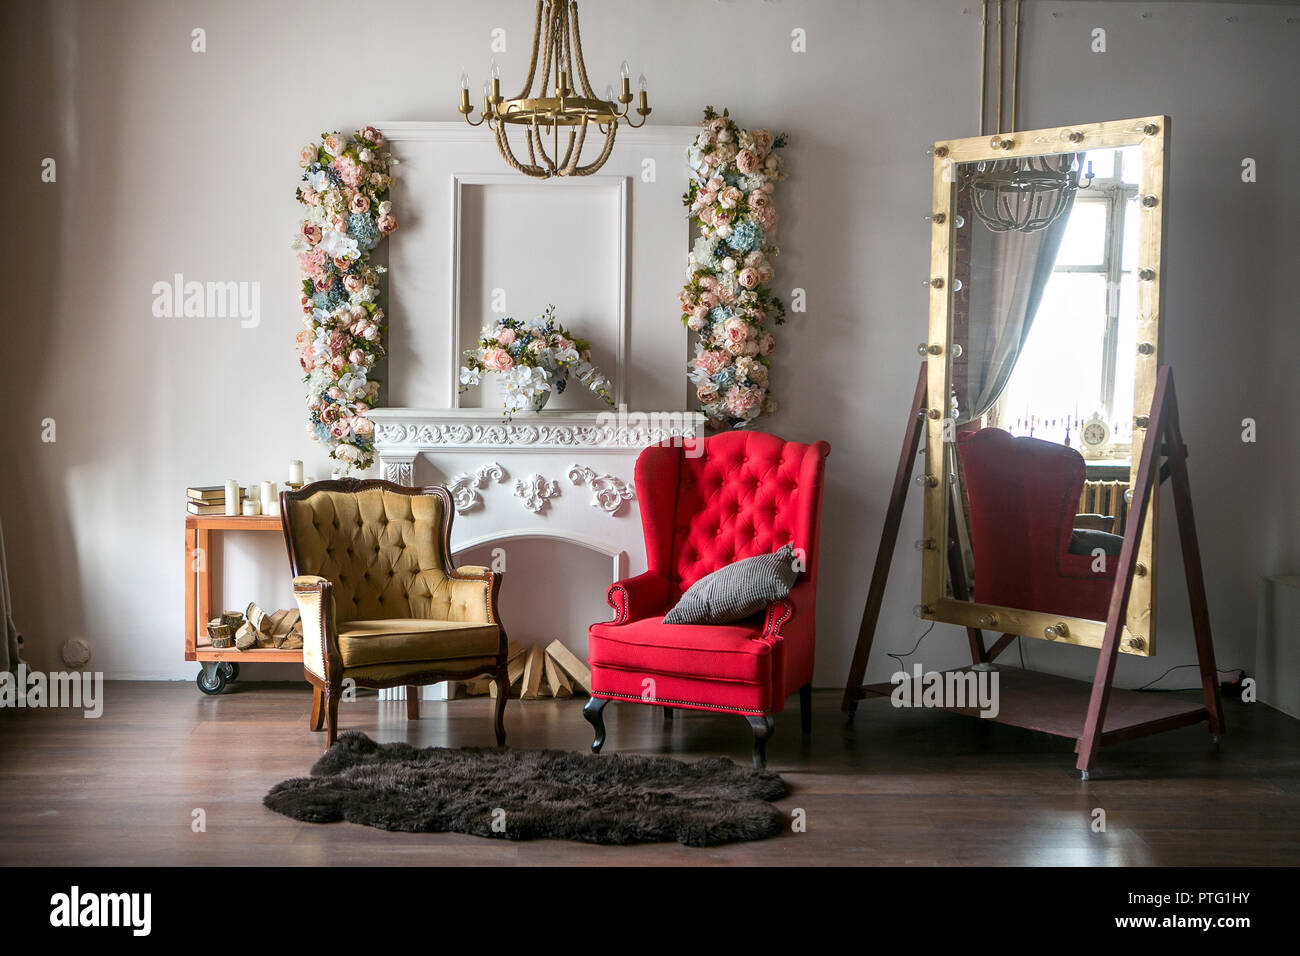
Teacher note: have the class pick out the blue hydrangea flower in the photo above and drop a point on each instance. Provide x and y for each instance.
(720, 313)
(362, 228)
(725, 379)
(745, 237)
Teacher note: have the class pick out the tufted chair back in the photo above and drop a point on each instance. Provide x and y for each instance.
(384, 550)
(728, 497)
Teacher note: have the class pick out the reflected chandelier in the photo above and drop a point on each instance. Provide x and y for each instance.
(557, 48)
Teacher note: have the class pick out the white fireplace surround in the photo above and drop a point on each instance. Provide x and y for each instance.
(564, 477)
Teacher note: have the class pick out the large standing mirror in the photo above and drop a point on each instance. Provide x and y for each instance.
(1044, 343)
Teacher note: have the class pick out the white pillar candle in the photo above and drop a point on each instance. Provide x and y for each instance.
(295, 471)
(232, 497)
(252, 507)
(270, 493)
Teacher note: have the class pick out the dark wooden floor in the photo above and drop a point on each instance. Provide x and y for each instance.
(900, 787)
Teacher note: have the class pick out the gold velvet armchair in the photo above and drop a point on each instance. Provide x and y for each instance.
(382, 604)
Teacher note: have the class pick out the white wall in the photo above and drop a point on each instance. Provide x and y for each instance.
(170, 161)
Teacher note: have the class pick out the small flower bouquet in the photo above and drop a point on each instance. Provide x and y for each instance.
(533, 358)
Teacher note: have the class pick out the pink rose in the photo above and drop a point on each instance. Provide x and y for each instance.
(329, 414)
(334, 144)
(336, 364)
(748, 278)
(700, 312)
(339, 429)
(309, 196)
(311, 233)
(353, 283)
(339, 224)
(721, 219)
(371, 134)
(743, 402)
(307, 156)
(348, 171)
(335, 392)
(323, 285)
(715, 184)
(360, 203)
(759, 199)
(356, 357)
(746, 161)
(717, 125)
(712, 361)
(728, 198)
(708, 301)
(306, 303)
(707, 393)
(735, 330)
(342, 263)
(362, 426)
(302, 338)
(387, 224)
(497, 360)
(505, 336)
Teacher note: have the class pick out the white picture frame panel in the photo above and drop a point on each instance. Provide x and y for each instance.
(424, 337)
(532, 242)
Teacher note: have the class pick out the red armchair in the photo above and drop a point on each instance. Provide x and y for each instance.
(1024, 495)
(703, 506)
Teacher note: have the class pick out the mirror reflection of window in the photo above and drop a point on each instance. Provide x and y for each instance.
(1078, 359)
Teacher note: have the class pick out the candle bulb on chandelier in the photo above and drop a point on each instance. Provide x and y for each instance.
(464, 93)
(625, 78)
(643, 105)
(495, 72)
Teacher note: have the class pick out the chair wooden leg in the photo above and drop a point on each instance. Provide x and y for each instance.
(593, 715)
(332, 716)
(502, 681)
(317, 720)
(805, 708)
(763, 728)
(412, 702)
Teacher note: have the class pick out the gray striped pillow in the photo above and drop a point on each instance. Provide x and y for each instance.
(737, 591)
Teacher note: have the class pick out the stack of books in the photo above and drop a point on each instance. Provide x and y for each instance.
(208, 499)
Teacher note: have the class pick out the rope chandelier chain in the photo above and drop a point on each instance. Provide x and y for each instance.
(549, 101)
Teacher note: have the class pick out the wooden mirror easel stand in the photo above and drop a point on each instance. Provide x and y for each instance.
(1053, 704)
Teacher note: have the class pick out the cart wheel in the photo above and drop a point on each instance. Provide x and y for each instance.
(231, 670)
(211, 681)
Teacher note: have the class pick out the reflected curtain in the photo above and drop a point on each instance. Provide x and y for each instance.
(11, 645)
(1009, 272)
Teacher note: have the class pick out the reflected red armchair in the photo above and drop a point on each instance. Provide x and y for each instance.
(703, 506)
(1024, 496)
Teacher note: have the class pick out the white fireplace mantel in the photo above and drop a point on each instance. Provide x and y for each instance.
(403, 433)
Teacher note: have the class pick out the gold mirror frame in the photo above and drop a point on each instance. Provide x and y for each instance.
(1152, 134)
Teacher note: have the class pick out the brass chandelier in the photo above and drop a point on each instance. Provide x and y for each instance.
(557, 46)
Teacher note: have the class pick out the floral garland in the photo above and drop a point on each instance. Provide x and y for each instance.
(533, 358)
(345, 189)
(727, 301)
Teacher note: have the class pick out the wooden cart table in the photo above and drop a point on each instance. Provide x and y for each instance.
(219, 666)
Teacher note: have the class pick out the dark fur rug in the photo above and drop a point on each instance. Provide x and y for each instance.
(531, 794)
